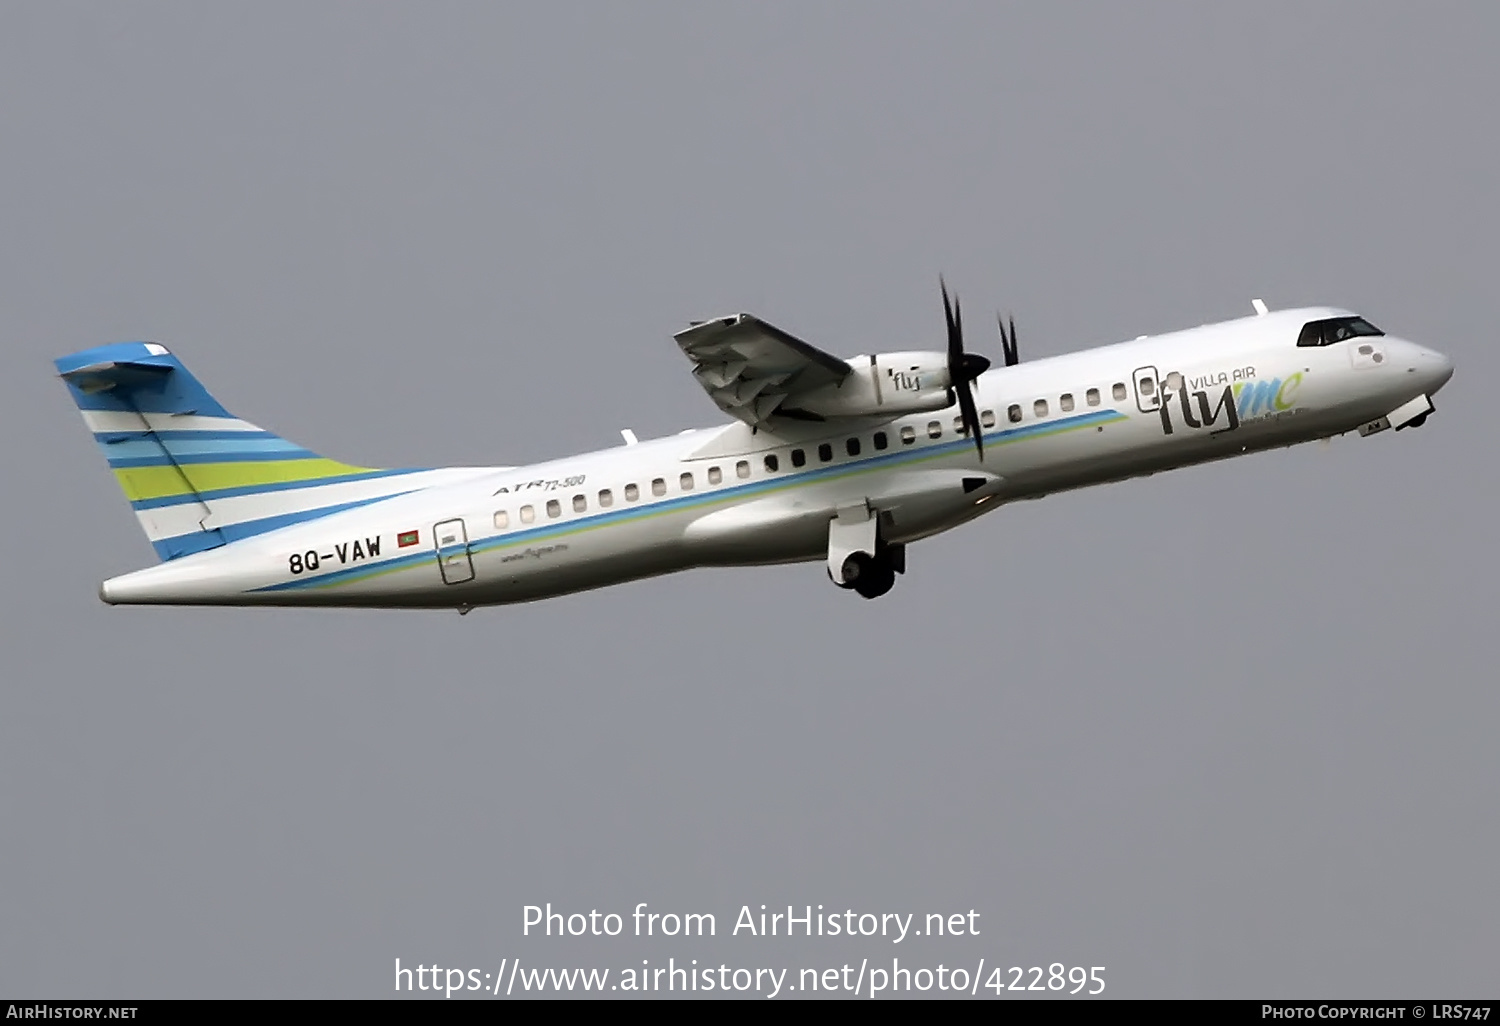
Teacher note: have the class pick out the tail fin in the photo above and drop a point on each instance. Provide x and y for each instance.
(197, 476)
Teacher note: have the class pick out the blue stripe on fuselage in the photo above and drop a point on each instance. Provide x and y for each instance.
(251, 528)
(720, 495)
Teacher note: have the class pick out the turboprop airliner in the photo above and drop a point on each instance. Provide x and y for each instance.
(843, 461)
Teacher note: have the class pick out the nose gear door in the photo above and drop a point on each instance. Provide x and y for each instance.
(452, 544)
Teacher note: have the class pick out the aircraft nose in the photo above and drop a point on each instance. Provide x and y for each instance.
(1430, 368)
(1434, 367)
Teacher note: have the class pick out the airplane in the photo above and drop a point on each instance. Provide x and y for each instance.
(843, 461)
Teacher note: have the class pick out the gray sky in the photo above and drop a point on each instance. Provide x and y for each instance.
(1227, 731)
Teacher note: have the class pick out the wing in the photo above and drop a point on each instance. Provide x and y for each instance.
(750, 368)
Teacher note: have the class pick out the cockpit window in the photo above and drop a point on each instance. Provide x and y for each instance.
(1335, 329)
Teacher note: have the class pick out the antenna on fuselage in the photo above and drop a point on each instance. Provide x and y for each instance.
(1260, 307)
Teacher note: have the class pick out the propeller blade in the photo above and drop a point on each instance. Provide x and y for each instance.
(970, 415)
(955, 331)
(963, 368)
(1008, 342)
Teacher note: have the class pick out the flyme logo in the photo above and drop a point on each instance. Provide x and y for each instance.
(1252, 398)
(1238, 402)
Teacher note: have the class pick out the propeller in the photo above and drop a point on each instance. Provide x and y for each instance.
(1008, 343)
(963, 368)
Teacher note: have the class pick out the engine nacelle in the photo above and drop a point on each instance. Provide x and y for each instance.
(884, 385)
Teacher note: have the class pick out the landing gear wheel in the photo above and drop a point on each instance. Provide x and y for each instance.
(855, 569)
(878, 577)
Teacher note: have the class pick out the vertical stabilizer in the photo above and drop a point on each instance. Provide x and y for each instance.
(196, 475)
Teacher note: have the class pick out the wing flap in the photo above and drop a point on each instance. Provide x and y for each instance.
(749, 367)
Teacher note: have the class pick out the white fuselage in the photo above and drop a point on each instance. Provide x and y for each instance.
(730, 496)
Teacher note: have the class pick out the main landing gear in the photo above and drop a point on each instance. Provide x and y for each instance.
(858, 558)
(871, 576)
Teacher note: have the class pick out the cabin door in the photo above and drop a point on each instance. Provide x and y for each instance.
(452, 544)
(1147, 390)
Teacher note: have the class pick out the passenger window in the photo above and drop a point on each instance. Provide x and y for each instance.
(606, 498)
(935, 429)
(825, 452)
(1066, 402)
(1174, 381)
(742, 469)
(1014, 413)
(880, 440)
(1119, 391)
(852, 447)
(908, 434)
(554, 508)
(528, 514)
(580, 504)
(987, 418)
(772, 463)
(658, 487)
(799, 457)
(632, 493)
(715, 475)
(1092, 395)
(685, 482)
(1147, 386)
(1039, 407)
(502, 520)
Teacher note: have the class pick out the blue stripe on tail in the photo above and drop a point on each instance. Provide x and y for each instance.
(129, 389)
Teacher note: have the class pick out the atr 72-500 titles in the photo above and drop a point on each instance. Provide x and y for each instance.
(844, 461)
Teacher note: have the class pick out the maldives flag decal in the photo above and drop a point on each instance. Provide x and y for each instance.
(406, 538)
